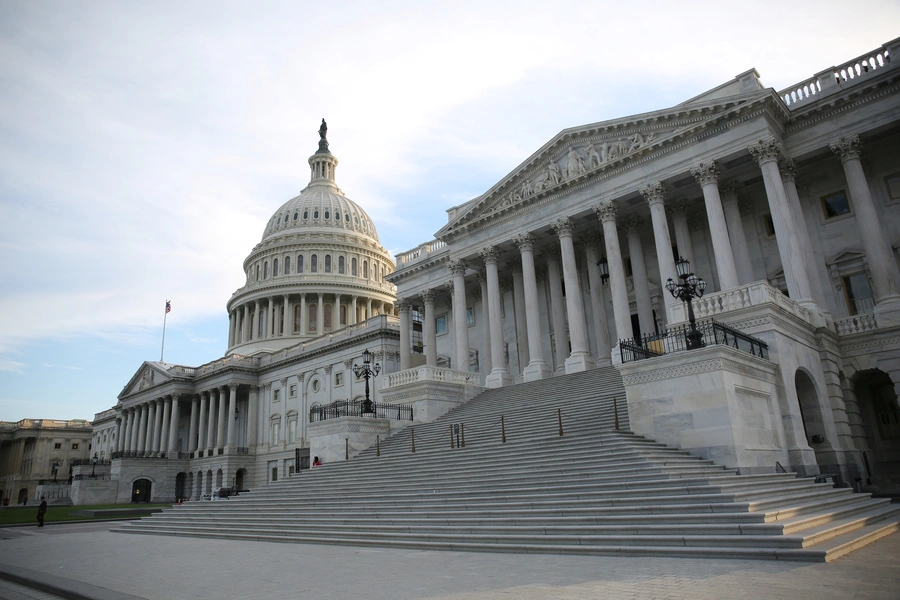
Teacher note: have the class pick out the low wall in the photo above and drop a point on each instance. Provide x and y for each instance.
(330, 439)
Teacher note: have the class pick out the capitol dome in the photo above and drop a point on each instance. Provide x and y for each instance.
(319, 267)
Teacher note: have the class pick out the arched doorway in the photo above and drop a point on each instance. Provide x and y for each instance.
(880, 415)
(140, 490)
(179, 486)
(23, 496)
(198, 485)
(813, 422)
(239, 479)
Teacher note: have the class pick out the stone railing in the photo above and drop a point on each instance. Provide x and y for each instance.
(420, 252)
(752, 294)
(437, 374)
(345, 333)
(856, 324)
(318, 278)
(834, 78)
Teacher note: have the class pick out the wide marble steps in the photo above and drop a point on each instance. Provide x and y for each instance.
(593, 490)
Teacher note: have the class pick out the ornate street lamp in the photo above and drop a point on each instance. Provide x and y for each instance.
(94, 461)
(366, 371)
(603, 265)
(690, 288)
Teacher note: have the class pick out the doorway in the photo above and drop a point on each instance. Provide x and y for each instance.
(140, 490)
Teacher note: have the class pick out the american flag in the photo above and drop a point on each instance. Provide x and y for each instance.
(168, 307)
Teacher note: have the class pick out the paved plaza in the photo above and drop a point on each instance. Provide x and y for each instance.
(167, 568)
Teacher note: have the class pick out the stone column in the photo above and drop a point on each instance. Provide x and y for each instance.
(368, 308)
(639, 277)
(606, 212)
(220, 426)
(202, 418)
(707, 175)
(211, 421)
(245, 324)
(125, 438)
(879, 253)
(287, 322)
(655, 195)
(598, 302)
(679, 212)
(557, 310)
(766, 154)
(154, 427)
(736, 233)
(232, 409)
(173, 426)
(353, 316)
(320, 315)
(499, 375)
(537, 368)
(142, 429)
(580, 359)
(481, 276)
(304, 328)
(460, 328)
(252, 407)
(230, 329)
(167, 416)
(789, 180)
(405, 345)
(192, 428)
(519, 306)
(428, 329)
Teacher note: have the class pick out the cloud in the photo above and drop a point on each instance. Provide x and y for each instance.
(12, 366)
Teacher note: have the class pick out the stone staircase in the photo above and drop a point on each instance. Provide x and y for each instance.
(593, 490)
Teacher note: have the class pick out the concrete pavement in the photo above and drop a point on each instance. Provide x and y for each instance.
(169, 568)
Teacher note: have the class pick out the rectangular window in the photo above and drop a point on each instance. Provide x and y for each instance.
(276, 395)
(769, 225)
(338, 379)
(440, 325)
(57, 446)
(470, 316)
(859, 294)
(293, 390)
(276, 431)
(893, 186)
(835, 204)
(74, 446)
(292, 431)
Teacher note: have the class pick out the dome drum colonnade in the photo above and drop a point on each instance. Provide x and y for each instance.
(729, 250)
(319, 267)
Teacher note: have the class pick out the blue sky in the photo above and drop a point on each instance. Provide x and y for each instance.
(143, 146)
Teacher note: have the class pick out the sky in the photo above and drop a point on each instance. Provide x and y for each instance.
(144, 145)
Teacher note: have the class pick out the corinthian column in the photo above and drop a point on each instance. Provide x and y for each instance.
(201, 439)
(481, 276)
(655, 195)
(882, 264)
(598, 299)
(428, 329)
(404, 306)
(736, 233)
(707, 175)
(606, 212)
(499, 375)
(232, 409)
(460, 328)
(220, 429)
(537, 368)
(766, 154)
(557, 310)
(789, 179)
(632, 226)
(580, 359)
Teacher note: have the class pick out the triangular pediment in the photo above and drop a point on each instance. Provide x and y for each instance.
(151, 374)
(577, 154)
(846, 257)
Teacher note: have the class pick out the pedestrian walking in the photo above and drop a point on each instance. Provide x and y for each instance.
(42, 508)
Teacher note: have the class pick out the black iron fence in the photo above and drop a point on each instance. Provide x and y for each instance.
(137, 454)
(349, 408)
(89, 461)
(676, 339)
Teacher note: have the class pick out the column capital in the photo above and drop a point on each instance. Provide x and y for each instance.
(729, 190)
(551, 252)
(457, 267)
(490, 254)
(848, 148)
(653, 193)
(403, 305)
(428, 296)
(765, 151)
(606, 211)
(632, 223)
(706, 173)
(563, 227)
(481, 277)
(590, 238)
(678, 207)
(513, 266)
(524, 241)
(788, 170)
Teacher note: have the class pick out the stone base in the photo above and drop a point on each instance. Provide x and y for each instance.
(537, 370)
(498, 378)
(715, 402)
(431, 391)
(887, 312)
(334, 440)
(579, 362)
(94, 491)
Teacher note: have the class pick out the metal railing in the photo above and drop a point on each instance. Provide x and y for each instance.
(137, 454)
(675, 339)
(349, 408)
(88, 461)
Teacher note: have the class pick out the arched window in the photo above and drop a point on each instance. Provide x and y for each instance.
(347, 217)
(327, 214)
(365, 269)
(353, 270)
(298, 318)
(343, 315)
(287, 265)
(275, 268)
(313, 310)
(305, 214)
(382, 273)
(316, 214)
(327, 319)
(341, 265)
(262, 324)
(328, 263)
(337, 215)
(299, 263)
(295, 216)
(266, 270)
(314, 263)
(257, 272)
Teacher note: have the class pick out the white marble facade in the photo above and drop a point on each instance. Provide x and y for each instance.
(796, 191)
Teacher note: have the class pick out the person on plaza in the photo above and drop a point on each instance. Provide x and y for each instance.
(41, 510)
(317, 462)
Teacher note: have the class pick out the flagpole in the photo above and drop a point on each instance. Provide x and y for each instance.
(163, 349)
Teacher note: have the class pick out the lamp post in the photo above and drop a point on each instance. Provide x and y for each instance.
(94, 461)
(366, 370)
(603, 266)
(690, 288)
